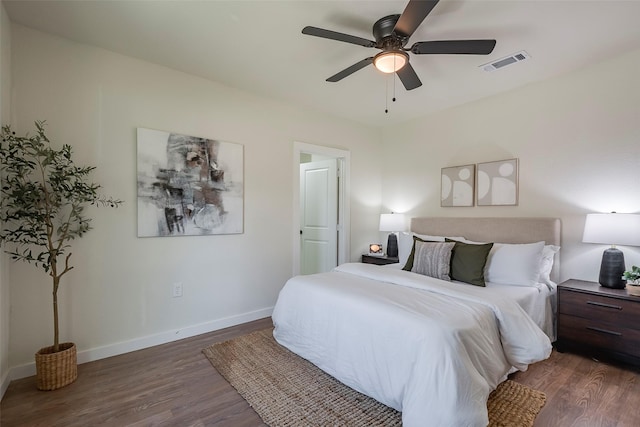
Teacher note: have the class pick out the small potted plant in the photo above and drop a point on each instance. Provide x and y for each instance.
(633, 280)
(43, 200)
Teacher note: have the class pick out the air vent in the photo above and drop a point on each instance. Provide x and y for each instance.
(507, 60)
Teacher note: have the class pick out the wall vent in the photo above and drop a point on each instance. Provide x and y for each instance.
(507, 60)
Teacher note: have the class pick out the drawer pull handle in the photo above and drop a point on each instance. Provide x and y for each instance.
(600, 304)
(605, 331)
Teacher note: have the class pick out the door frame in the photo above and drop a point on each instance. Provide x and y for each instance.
(343, 158)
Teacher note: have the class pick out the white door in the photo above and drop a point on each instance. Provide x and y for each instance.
(318, 216)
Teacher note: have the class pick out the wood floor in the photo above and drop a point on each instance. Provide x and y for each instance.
(584, 392)
(175, 385)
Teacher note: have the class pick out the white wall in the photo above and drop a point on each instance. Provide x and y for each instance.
(118, 297)
(5, 115)
(577, 138)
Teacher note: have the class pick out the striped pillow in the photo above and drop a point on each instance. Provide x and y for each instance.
(433, 259)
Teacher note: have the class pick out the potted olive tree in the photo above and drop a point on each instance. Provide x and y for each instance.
(42, 208)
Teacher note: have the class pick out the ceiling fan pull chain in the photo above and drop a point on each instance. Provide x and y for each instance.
(394, 86)
(386, 95)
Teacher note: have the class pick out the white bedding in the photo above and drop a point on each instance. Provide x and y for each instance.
(539, 301)
(429, 348)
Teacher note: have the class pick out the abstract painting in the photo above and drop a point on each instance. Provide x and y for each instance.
(189, 186)
(457, 185)
(498, 183)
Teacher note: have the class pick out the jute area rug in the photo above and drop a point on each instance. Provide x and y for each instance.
(286, 390)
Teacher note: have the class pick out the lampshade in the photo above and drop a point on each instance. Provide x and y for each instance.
(392, 222)
(390, 61)
(612, 229)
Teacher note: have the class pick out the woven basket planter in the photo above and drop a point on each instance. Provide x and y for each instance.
(56, 370)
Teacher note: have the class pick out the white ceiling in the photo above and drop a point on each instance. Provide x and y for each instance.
(257, 46)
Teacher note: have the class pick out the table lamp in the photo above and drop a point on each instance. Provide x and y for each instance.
(612, 229)
(393, 223)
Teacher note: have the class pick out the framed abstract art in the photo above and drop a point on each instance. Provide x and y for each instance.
(188, 186)
(498, 183)
(457, 186)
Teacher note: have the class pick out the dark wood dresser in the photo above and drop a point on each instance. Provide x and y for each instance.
(379, 260)
(598, 321)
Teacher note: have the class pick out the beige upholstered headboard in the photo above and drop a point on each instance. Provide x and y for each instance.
(503, 230)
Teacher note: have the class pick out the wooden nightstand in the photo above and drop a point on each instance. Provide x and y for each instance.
(379, 260)
(599, 321)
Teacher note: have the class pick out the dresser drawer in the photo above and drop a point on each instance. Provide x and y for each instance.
(589, 306)
(610, 336)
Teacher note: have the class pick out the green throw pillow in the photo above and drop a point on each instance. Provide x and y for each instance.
(468, 261)
(409, 264)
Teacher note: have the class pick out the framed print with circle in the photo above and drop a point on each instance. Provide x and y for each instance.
(457, 186)
(497, 183)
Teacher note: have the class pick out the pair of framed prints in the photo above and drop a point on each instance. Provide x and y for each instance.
(488, 184)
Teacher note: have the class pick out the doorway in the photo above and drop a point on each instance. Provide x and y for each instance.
(320, 208)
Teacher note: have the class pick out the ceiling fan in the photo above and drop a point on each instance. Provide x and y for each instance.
(392, 34)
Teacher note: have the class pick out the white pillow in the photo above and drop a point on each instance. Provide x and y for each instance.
(546, 264)
(514, 264)
(405, 243)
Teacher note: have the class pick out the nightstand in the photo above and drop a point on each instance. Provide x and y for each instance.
(598, 321)
(379, 260)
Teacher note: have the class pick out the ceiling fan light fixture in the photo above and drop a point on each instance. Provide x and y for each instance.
(390, 61)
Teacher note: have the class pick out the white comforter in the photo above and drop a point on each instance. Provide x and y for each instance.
(431, 349)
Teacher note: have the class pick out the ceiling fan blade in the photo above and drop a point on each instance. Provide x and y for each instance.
(350, 70)
(408, 77)
(460, 47)
(341, 37)
(413, 15)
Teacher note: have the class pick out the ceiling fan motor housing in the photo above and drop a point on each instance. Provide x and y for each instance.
(386, 39)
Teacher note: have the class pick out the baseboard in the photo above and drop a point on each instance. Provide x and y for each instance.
(98, 353)
(4, 384)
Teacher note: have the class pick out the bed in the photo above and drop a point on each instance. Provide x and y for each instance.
(429, 347)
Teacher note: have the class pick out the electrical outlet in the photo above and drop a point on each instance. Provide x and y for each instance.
(177, 290)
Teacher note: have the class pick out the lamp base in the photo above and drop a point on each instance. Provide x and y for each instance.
(612, 269)
(392, 245)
